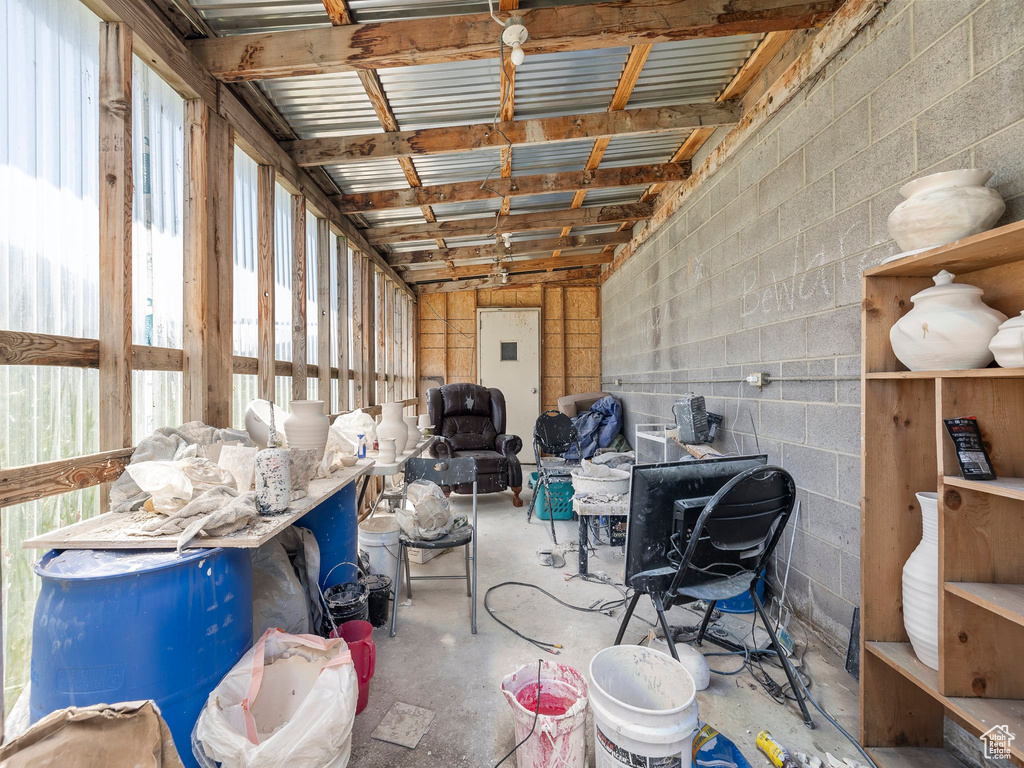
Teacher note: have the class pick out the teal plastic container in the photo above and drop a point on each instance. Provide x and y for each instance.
(560, 501)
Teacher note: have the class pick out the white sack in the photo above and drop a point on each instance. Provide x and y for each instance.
(427, 513)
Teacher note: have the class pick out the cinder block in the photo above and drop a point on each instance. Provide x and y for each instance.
(889, 160)
(930, 76)
(843, 235)
(835, 427)
(838, 142)
(743, 347)
(781, 183)
(741, 211)
(834, 333)
(986, 104)
(781, 261)
(784, 341)
(807, 385)
(998, 31)
(848, 272)
(699, 213)
(812, 204)
(817, 558)
(732, 283)
(760, 235)
(712, 351)
(850, 578)
(759, 161)
(1004, 153)
(934, 18)
(812, 113)
(849, 479)
(784, 421)
(875, 62)
(726, 190)
(831, 613)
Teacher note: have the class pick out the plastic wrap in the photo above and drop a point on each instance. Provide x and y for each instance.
(427, 513)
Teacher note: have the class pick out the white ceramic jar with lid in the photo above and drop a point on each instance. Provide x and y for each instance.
(949, 328)
(1008, 344)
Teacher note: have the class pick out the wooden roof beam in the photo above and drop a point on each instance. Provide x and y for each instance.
(473, 37)
(433, 141)
(518, 248)
(512, 267)
(576, 276)
(608, 214)
(526, 185)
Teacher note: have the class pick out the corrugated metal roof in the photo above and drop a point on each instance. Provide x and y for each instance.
(614, 195)
(368, 176)
(470, 209)
(551, 158)
(366, 11)
(690, 70)
(393, 217)
(438, 95)
(458, 166)
(535, 203)
(239, 17)
(550, 84)
(642, 150)
(323, 105)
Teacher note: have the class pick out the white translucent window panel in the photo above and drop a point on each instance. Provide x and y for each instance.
(282, 274)
(244, 388)
(245, 286)
(312, 284)
(156, 401)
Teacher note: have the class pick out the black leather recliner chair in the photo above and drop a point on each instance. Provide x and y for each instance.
(469, 421)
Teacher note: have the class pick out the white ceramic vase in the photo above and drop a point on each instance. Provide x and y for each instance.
(257, 422)
(414, 434)
(944, 207)
(423, 423)
(949, 328)
(386, 453)
(307, 427)
(392, 426)
(921, 586)
(1008, 344)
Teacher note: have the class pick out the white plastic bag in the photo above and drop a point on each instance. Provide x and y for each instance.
(165, 481)
(427, 513)
(316, 729)
(356, 423)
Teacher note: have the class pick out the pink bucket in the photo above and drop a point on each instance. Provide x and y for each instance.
(559, 739)
(359, 637)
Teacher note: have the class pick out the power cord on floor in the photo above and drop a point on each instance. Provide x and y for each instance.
(536, 715)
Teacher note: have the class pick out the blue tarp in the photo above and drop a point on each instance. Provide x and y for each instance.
(597, 427)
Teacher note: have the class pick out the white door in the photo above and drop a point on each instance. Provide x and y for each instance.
(508, 344)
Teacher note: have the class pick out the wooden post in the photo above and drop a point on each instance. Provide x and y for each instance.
(298, 297)
(565, 353)
(209, 264)
(265, 281)
(366, 309)
(323, 300)
(343, 324)
(115, 230)
(444, 336)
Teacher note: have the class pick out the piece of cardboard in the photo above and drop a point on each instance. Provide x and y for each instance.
(404, 725)
(104, 735)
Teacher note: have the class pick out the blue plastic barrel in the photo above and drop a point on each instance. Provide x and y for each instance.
(743, 602)
(334, 525)
(114, 626)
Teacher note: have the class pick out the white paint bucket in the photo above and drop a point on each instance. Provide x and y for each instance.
(645, 709)
(378, 538)
(559, 739)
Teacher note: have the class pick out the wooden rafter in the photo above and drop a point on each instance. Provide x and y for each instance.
(608, 214)
(512, 267)
(338, 11)
(432, 141)
(509, 187)
(517, 248)
(472, 37)
(576, 276)
(755, 65)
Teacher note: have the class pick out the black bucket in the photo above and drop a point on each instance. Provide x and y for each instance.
(380, 595)
(347, 602)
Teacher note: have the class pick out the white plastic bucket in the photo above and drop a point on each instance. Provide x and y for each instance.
(378, 538)
(645, 709)
(559, 739)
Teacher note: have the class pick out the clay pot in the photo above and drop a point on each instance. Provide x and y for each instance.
(414, 433)
(308, 426)
(386, 453)
(393, 427)
(1008, 344)
(257, 422)
(944, 207)
(921, 586)
(423, 423)
(949, 328)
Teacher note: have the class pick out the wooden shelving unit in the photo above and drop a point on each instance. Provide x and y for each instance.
(980, 681)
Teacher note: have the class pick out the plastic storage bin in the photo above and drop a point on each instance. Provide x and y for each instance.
(560, 501)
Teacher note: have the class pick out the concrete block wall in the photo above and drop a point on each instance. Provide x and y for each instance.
(760, 269)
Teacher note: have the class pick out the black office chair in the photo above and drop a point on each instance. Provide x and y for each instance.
(553, 434)
(444, 472)
(748, 514)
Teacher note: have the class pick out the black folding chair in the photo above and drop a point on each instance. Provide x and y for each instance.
(748, 514)
(444, 472)
(554, 434)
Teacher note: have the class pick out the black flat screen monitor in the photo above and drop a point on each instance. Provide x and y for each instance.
(654, 489)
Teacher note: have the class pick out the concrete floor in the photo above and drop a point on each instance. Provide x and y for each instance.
(436, 663)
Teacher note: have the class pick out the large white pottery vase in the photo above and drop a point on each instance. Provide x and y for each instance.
(307, 427)
(392, 426)
(921, 586)
(944, 207)
(949, 328)
(257, 422)
(414, 433)
(1008, 344)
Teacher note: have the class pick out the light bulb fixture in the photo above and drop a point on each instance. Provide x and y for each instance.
(504, 276)
(514, 35)
(506, 238)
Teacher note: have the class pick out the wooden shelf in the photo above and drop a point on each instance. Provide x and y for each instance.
(1008, 487)
(914, 757)
(973, 373)
(979, 714)
(989, 249)
(1006, 600)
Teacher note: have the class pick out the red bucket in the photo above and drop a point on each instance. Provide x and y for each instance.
(359, 637)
